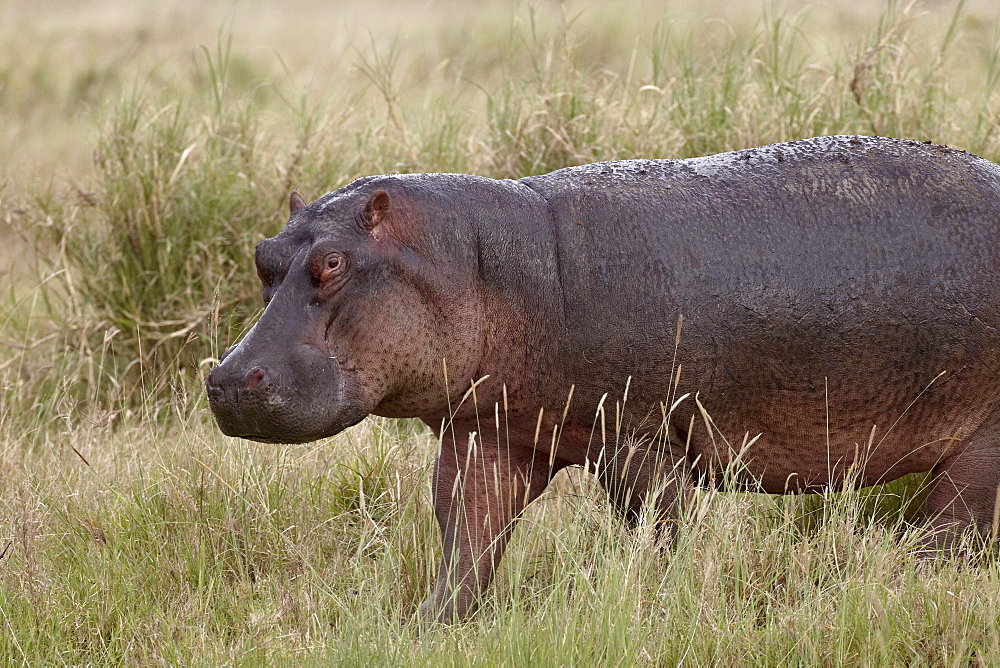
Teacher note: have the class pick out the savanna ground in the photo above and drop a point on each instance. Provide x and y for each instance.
(146, 147)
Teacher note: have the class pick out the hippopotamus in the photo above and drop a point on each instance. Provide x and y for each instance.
(784, 319)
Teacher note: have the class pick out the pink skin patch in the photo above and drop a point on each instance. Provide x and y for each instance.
(255, 379)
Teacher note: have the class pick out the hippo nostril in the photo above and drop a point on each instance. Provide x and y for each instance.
(254, 378)
(213, 378)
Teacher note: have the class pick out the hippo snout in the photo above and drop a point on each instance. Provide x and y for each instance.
(222, 380)
(229, 387)
(291, 400)
(248, 403)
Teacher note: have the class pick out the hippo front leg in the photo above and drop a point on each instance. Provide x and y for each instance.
(479, 489)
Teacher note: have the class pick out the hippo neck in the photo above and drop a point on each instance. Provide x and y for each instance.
(498, 240)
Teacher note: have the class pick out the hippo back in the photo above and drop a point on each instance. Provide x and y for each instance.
(835, 277)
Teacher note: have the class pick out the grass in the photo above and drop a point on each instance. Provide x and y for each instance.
(214, 550)
(145, 151)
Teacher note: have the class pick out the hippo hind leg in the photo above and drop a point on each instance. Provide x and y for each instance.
(964, 492)
(643, 475)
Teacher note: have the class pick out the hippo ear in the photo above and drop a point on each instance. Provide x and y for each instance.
(295, 202)
(376, 210)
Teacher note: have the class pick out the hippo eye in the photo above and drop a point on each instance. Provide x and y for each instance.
(330, 266)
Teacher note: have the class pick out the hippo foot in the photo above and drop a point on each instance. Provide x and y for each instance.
(433, 612)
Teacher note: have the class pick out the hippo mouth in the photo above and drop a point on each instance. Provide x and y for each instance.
(260, 438)
(296, 422)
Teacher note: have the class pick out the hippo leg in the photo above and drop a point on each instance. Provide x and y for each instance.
(639, 469)
(479, 490)
(964, 495)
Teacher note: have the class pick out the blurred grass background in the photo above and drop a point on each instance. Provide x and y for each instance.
(146, 147)
(145, 151)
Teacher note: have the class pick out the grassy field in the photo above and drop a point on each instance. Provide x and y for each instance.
(145, 148)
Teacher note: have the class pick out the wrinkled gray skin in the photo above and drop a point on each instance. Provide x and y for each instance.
(825, 286)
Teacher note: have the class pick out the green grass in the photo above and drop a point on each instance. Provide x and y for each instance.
(145, 152)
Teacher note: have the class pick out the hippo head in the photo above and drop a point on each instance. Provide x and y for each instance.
(361, 314)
